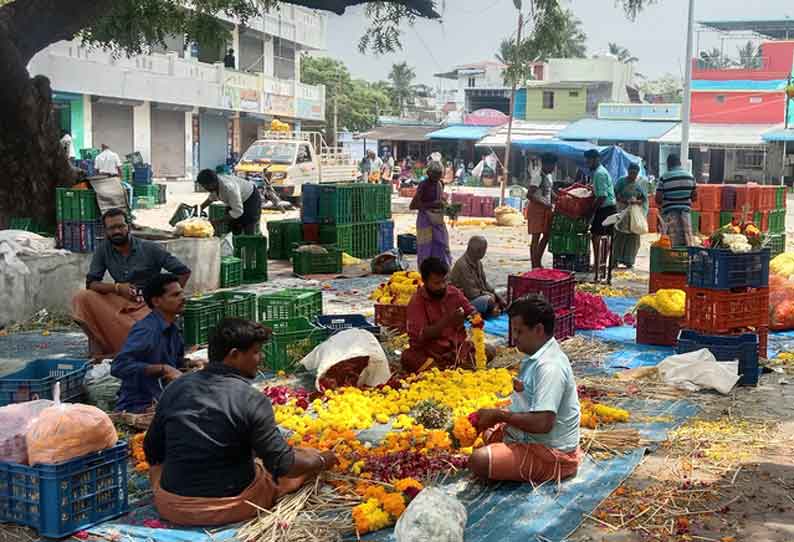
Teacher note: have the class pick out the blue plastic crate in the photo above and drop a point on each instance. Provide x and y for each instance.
(335, 323)
(61, 499)
(310, 203)
(515, 203)
(142, 174)
(38, 378)
(80, 236)
(406, 243)
(719, 269)
(726, 348)
(385, 235)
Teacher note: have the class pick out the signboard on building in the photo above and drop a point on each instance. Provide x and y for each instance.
(241, 99)
(485, 117)
(666, 112)
(275, 104)
(309, 109)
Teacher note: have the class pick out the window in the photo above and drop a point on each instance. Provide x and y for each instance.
(573, 94)
(548, 100)
(472, 82)
(756, 99)
(720, 98)
(750, 159)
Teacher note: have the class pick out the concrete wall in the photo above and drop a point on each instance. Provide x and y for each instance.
(566, 107)
(606, 68)
(54, 279)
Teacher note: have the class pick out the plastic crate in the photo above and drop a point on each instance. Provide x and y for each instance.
(569, 243)
(669, 260)
(338, 322)
(723, 270)
(383, 202)
(766, 197)
(666, 281)
(310, 204)
(290, 303)
(199, 318)
(311, 263)
(709, 222)
(408, 192)
(726, 217)
(385, 236)
(564, 325)
(486, 206)
(745, 197)
(709, 197)
(728, 198)
(236, 304)
(776, 243)
(162, 194)
(23, 224)
(695, 220)
(743, 348)
(780, 197)
(653, 220)
(761, 219)
(37, 380)
(79, 236)
(559, 293)
(252, 250)
(578, 263)
(146, 190)
(340, 235)
(365, 240)
(290, 341)
(516, 203)
(392, 316)
(777, 221)
(63, 498)
(719, 311)
(335, 204)
(231, 272)
(311, 233)
(75, 205)
(144, 202)
(142, 174)
(282, 234)
(406, 243)
(564, 224)
(217, 210)
(89, 154)
(654, 328)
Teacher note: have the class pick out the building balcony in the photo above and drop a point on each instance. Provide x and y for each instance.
(168, 78)
(760, 69)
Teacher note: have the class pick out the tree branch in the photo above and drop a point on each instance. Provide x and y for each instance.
(421, 8)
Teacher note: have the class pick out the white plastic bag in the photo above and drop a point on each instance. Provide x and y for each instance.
(227, 245)
(699, 370)
(639, 224)
(477, 171)
(347, 344)
(14, 423)
(432, 515)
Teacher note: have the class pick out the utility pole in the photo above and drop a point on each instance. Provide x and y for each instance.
(687, 105)
(508, 143)
(336, 112)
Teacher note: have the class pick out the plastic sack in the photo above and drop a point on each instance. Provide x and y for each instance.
(227, 245)
(781, 303)
(65, 431)
(101, 387)
(194, 227)
(345, 345)
(783, 264)
(432, 515)
(638, 224)
(388, 262)
(699, 370)
(508, 216)
(14, 423)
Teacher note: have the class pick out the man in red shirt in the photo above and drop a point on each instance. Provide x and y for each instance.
(436, 316)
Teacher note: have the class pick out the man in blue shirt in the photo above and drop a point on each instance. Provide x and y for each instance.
(154, 351)
(604, 205)
(537, 439)
(675, 194)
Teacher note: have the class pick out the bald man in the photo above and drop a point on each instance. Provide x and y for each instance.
(469, 277)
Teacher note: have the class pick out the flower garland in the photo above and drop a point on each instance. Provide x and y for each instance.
(478, 338)
(382, 508)
(594, 414)
(138, 455)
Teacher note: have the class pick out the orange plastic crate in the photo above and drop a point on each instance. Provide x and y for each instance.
(763, 340)
(666, 281)
(696, 204)
(719, 311)
(764, 225)
(709, 221)
(709, 197)
(766, 197)
(653, 217)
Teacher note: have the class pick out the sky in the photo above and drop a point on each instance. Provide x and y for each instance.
(471, 31)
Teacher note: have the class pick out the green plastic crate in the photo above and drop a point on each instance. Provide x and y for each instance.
(290, 303)
(146, 190)
(231, 272)
(673, 260)
(282, 235)
(569, 243)
(695, 217)
(340, 235)
(726, 217)
(145, 202)
(777, 244)
(237, 304)
(291, 340)
(75, 205)
(336, 203)
(311, 263)
(199, 318)
(563, 224)
(780, 197)
(365, 240)
(383, 201)
(216, 211)
(777, 221)
(252, 250)
(17, 223)
(89, 154)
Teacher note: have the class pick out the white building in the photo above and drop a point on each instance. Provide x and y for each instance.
(179, 106)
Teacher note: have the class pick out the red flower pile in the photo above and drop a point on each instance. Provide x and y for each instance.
(592, 312)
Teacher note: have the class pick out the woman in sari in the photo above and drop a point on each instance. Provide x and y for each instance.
(432, 239)
(629, 190)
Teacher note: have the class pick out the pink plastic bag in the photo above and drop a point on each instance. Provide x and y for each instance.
(15, 420)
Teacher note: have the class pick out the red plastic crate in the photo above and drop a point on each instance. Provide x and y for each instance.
(666, 281)
(709, 222)
(311, 233)
(392, 316)
(696, 204)
(653, 218)
(744, 198)
(559, 293)
(709, 197)
(766, 198)
(719, 311)
(487, 206)
(764, 225)
(763, 340)
(654, 328)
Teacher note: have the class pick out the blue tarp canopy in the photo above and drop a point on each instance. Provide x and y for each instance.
(779, 135)
(473, 133)
(573, 150)
(739, 85)
(615, 130)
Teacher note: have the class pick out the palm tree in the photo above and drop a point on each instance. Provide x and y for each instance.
(713, 60)
(622, 54)
(749, 56)
(401, 77)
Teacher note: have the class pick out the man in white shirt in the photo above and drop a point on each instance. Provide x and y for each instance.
(107, 162)
(240, 196)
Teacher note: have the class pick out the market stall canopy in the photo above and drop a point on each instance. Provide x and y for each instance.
(460, 132)
(720, 135)
(400, 133)
(616, 130)
(780, 135)
(523, 131)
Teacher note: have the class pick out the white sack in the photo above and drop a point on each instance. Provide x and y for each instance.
(699, 370)
(347, 344)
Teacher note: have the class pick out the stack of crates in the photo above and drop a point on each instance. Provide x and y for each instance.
(79, 225)
(727, 307)
(570, 243)
(669, 268)
(290, 314)
(558, 292)
(353, 217)
(252, 252)
(282, 236)
(145, 195)
(473, 205)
